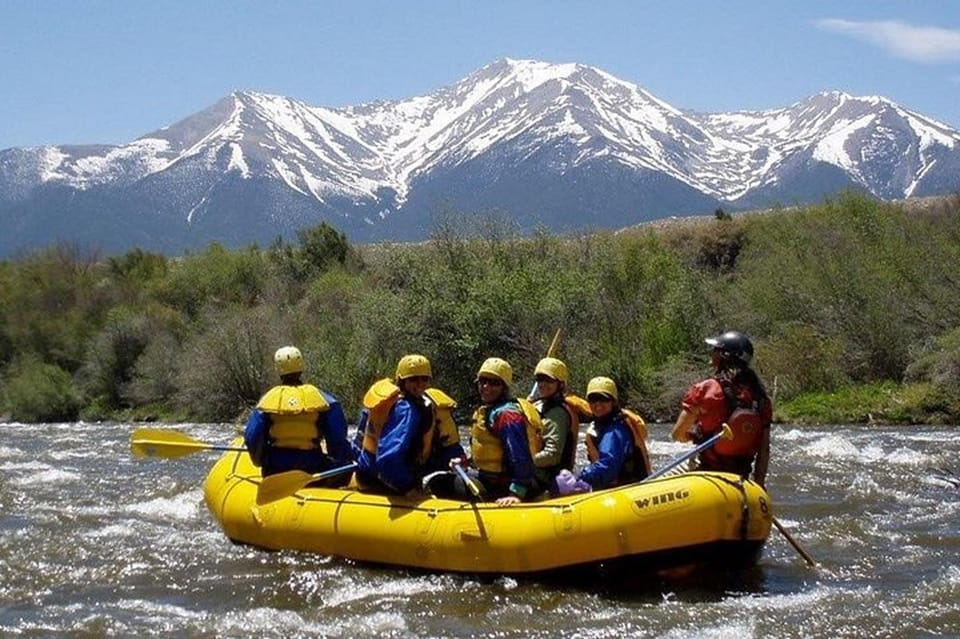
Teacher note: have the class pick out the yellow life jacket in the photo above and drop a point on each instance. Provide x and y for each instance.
(486, 447)
(638, 428)
(294, 411)
(444, 428)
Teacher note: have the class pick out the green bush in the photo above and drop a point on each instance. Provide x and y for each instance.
(35, 391)
(800, 358)
(214, 278)
(225, 368)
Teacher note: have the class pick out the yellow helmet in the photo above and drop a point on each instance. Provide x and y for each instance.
(553, 368)
(289, 360)
(602, 386)
(413, 366)
(496, 367)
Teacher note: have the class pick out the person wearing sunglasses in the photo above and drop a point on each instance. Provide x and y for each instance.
(504, 437)
(405, 431)
(616, 444)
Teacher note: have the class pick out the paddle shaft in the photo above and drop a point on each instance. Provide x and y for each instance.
(725, 433)
(550, 352)
(284, 484)
(472, 485)
(333, 472)
(196, 446)
(793, 542)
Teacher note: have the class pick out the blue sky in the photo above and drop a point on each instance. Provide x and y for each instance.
(109, 71)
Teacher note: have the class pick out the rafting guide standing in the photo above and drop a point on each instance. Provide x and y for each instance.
(296, 426)
(733, 395)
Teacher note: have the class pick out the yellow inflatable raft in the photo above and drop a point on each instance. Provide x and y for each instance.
(691, 518)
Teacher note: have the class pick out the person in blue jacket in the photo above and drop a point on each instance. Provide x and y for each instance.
(615, 444)
(296, 426)
(406, 431)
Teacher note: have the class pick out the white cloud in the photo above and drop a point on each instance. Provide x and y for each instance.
(920, 44)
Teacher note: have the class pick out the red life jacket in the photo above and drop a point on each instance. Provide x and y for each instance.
(747, 417)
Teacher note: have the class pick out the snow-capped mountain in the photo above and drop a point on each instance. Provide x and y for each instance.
(565, 146)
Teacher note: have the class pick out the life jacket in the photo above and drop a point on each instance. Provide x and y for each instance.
(486, 446)
(639, 465)
(445, 431)
(377, 404)
(578, 409)
(747, 418)
(294, 415)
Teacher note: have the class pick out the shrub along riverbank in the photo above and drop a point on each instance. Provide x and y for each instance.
(852, 305)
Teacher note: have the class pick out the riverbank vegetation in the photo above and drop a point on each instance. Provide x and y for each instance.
(852, 305)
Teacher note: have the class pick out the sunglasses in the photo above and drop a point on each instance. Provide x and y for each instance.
(417, 378)
(596, 399)
(488, 381)
(544, 378)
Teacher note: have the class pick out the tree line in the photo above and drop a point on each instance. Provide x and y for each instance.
(851, 303)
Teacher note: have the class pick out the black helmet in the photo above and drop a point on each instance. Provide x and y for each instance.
(733, 343)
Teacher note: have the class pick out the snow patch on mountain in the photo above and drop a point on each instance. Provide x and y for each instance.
(831, 148)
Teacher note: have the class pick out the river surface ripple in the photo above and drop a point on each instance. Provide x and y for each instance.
(94, 543)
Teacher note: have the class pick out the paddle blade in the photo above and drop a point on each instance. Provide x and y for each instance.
(274, 487)
(169, 444)
(153, 442)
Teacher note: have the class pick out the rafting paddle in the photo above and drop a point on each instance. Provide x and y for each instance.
(475, 489)
(170, 444)
(274, 487)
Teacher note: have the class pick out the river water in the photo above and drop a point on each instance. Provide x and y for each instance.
(95, 543)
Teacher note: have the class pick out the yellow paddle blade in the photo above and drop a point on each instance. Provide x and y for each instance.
(274, 487)
(169, 444)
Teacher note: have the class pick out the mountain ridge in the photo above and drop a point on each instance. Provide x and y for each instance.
(566, 146)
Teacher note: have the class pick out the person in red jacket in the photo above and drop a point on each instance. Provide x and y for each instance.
(733, 395)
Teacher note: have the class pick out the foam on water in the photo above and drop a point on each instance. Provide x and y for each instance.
(183, 507)
(30, 466)
(832, 447)
(126, 549)
(353, 592)
(257, 620)
(739, 629)
(50, 476)
(7, 452)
